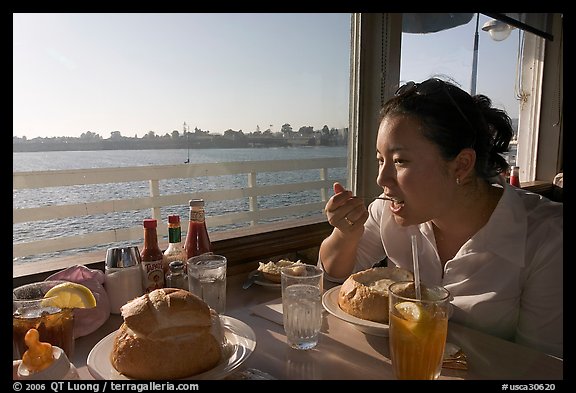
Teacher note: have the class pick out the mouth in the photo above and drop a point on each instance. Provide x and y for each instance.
(393, 199)
(396, 204)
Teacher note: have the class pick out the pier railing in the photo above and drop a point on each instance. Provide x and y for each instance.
(157, 199)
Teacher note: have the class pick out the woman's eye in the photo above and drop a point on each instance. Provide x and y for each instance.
(397, 161)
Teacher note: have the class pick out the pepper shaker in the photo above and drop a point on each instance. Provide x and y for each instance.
(176, 278)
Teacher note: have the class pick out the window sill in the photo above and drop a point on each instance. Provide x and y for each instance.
(243, 248)
(543, 188)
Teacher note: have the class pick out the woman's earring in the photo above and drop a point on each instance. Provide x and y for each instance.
(458, 180)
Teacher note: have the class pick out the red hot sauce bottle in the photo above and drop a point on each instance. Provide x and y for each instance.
(515, 176)
(151, 255)
(197, 239)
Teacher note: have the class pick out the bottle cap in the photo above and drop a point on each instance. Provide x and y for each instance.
(176, 265)
(150, 223)
(196, 202)
(173, 219)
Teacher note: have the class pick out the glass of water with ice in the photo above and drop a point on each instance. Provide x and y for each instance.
(207, 279)
(302, 305)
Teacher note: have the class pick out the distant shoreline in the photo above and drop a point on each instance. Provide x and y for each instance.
(35, 148)
(208, 142)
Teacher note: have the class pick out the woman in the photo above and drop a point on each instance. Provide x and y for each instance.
(498, 249)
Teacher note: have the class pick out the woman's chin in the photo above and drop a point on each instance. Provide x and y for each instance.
(401, 221)
(405, 222)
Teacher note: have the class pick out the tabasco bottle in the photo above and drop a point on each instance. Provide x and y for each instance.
(175, 250)
(151, 255)
(197, 239)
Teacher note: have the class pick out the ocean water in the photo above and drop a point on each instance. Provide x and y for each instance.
(41, 161)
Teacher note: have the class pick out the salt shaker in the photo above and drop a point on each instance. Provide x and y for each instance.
(123, 276)
(176, 278)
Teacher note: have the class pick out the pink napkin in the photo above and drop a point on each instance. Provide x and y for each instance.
(87, 320)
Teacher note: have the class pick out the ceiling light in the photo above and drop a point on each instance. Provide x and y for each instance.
(498, 30)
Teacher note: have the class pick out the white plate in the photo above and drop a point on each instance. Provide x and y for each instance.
(241, 343)
(330, 303)
(263, 282)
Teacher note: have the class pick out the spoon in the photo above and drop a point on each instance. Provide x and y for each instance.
(454, 357)
(384, 198)
(252, 278)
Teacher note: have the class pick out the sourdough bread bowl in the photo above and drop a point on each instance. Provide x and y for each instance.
(365, 294)
(168, 333)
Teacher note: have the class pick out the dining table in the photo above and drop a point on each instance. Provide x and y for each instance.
(344, 351)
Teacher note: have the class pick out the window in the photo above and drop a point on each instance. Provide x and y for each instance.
(377, 50)
(114, 79)
(510, 72)
(450, 52)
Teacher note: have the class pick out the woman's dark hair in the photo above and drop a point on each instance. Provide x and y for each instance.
(455, 120)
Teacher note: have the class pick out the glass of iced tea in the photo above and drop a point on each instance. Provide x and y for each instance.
(418, 330)
(30, 309)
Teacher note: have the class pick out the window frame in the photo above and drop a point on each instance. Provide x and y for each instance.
(540, 123)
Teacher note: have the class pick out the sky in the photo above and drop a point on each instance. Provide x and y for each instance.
(136, 73)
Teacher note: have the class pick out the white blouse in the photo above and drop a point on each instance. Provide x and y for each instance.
(507, 280)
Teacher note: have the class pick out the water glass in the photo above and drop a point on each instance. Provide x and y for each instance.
(418, 329)
(302, 304)
(30, 309)
(207, 279)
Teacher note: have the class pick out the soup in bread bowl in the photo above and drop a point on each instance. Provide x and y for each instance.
(365, 294)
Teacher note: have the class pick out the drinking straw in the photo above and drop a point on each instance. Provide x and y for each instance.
(416, 270)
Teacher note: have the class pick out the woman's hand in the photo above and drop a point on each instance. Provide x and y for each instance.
(345, 211)
(347, 214)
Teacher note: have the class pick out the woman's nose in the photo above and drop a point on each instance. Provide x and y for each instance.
(385, 175)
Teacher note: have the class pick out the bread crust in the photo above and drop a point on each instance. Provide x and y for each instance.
(365, 294)
(167, 334)
(164, 312)
(142, 358)
(272, 277)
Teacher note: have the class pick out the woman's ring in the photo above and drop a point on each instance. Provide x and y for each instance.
(348, 221)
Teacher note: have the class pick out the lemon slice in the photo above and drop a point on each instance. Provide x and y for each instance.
(410, 311)
(71, 295)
